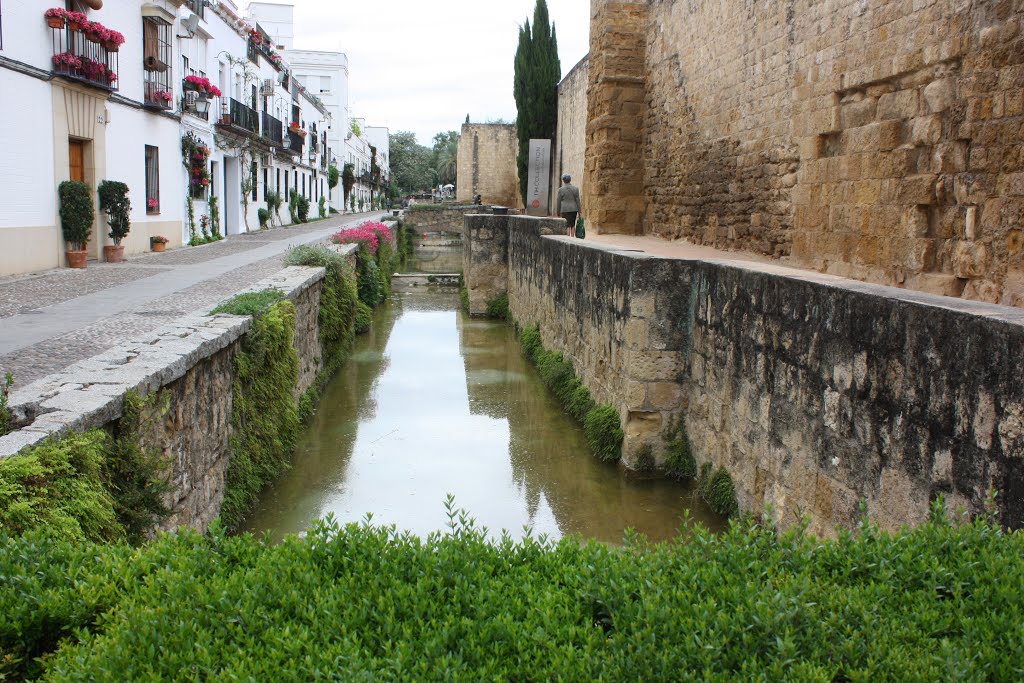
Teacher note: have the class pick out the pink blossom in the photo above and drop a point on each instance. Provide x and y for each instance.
(367, 234)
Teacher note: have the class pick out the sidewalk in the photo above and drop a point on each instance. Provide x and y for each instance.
(52, 319)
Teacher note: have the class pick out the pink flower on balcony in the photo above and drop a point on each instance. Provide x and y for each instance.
(153, 204)
(77, 20)
(115, 38)
(65, 61)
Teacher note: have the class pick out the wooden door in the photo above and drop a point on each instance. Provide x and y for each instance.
(77, 163)
(76, 168)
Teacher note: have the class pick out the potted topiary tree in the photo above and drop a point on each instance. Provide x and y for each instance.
(115, 202)
(76, 216)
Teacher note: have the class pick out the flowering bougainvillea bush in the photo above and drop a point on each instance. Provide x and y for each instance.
(368, 234)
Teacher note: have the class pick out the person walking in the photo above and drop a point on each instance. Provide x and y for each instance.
(569, 204)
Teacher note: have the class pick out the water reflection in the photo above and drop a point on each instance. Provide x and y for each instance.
(433, 402)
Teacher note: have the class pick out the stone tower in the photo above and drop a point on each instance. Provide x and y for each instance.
(613, 178)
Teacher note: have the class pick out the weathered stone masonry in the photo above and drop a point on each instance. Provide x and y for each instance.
(815, 392)
(191, 366)
(876, 139)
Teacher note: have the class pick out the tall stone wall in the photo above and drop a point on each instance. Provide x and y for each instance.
(875, 139)
(815, 392)
(571, 133)
(487, 164)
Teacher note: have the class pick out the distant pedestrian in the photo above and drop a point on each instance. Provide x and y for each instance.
(569, 204)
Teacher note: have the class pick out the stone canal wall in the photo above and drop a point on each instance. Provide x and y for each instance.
(190, 366)
(423, 218)
(815, 392)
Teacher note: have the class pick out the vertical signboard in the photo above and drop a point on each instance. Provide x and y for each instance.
(537, 180)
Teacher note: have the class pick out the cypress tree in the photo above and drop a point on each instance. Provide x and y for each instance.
(535, 86)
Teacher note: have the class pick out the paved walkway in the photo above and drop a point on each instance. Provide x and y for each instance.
(52, 319)
(656, 246)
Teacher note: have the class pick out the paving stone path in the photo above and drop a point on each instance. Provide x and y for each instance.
(52, 319)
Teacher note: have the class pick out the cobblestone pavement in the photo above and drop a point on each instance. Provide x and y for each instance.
(30, 294)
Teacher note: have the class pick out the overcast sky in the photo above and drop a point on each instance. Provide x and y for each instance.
(422, 66)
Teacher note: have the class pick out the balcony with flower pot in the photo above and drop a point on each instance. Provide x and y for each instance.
(84, 51)
(238, 118)
(199, 96)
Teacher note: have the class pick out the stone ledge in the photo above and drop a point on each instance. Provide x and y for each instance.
(1006, 314)
(89, 393)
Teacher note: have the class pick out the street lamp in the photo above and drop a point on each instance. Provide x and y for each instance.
(202, 105)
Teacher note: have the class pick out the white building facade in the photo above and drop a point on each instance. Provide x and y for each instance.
(182, 100)
(87, 109)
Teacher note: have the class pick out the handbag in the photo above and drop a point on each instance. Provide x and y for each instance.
(581, 230)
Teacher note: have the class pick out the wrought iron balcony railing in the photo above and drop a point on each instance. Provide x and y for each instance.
(78, 56)
(273, 129)
(234, 113)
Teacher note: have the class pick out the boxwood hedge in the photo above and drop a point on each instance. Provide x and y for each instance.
(362, 603)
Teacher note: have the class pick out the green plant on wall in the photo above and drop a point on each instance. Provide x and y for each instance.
(264, 415)
(348, 180)
(274, 202)
(263, 216)
(717, 490)
(115, 202)
(333, 176)
(601, 424)
(293, 206)
(76, 213)
(322, 206)
(352, 203)
(215, 217)
(190, 213)
(6, 419)
(679, 461)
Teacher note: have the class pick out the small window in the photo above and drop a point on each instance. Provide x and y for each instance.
(255, 181)
(325, 84)
(266, 183)
(152, 180)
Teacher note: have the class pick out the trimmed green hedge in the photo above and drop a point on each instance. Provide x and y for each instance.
(363, 603)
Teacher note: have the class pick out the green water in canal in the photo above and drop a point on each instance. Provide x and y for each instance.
(434, 402)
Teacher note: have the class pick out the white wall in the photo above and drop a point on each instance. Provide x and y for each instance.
(26, 138)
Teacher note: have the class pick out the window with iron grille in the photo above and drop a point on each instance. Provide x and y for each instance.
(152, 179)
(197, 7)
(156, 61)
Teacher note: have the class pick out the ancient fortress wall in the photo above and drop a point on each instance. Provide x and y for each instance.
(487, 164)
(877, 139)
(190, 366)
(814, 392)
(568, 155)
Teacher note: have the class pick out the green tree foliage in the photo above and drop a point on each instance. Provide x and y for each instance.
(446, 156)
(537, 72)
(411, 162)
(333, 176)
(76, 212)
(348, 181)
(118, 207)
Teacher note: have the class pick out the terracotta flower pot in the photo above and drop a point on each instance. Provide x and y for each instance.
(113, 253)
(74, 26)
(159, 246)
(76, 259)
(111, 46)
(55, 22)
